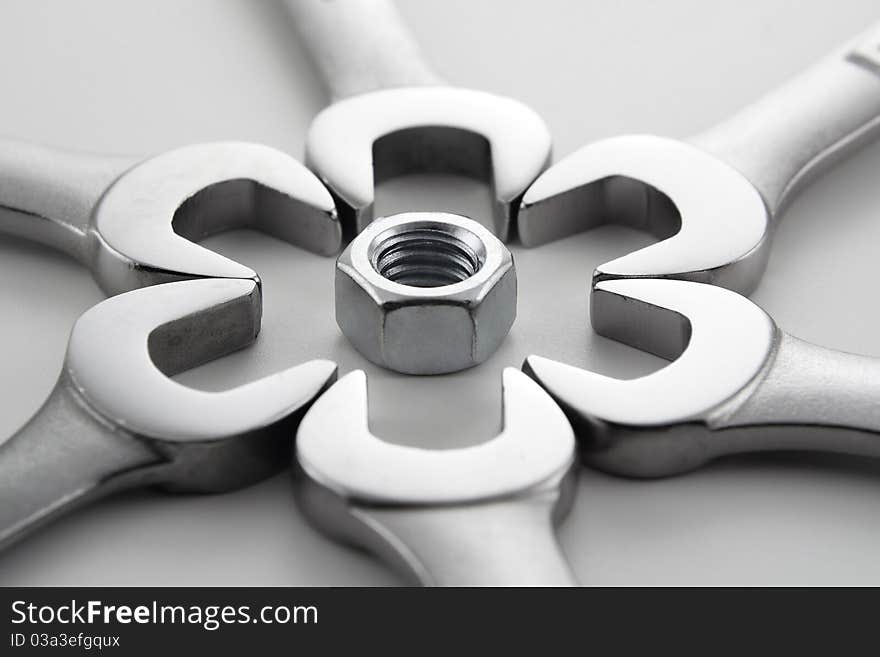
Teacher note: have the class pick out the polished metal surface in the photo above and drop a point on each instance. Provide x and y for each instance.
(391, 115)
(736, 384)
(115, 420)
(714, 201)
(232, 69)
(425, 292)
(131, 223)
(480, 515)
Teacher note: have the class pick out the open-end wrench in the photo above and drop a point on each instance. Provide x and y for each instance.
(713, 200)
(115, 420)
(391, 115)
(737, 384)
(480, 515)
(131, 222)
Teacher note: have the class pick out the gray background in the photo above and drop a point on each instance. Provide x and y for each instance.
(141, 77)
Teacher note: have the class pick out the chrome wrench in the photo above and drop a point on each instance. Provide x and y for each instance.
(714, 199)
(131, 223)
(480, 515)
(114, 420)
(736, 383)
(390, 114)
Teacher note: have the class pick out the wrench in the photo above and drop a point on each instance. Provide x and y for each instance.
(714, 200)
(390, 115)
(737, 384)
(115, 421)
(131, 222)
(479, 515)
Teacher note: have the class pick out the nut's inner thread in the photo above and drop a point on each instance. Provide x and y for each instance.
(427, 257)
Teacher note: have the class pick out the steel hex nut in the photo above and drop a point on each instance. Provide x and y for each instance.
(425, 292)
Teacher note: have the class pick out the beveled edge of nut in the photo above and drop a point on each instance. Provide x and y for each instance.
(356, 261)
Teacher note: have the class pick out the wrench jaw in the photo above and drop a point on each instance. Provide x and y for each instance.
(231, 462)
(361, 141)
(336, 448)
(806, 399)
(667, 422)
(143, 229)
(413, 507)
(115, 421)
(712, 223)
(210, 441)
(620, 448)
(651, 453)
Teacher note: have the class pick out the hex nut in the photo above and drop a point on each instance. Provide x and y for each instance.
(425, 292)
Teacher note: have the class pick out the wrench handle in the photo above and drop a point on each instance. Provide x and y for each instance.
(48, 195)
(62, 458)
(811, 398)
(503, 543)
(794, 133)
(359, 45)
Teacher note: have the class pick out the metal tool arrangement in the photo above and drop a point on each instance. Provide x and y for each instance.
(434, 293)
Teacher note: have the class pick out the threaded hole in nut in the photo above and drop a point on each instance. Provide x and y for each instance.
(427, 257)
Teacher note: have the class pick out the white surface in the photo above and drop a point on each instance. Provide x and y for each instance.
(142, 77)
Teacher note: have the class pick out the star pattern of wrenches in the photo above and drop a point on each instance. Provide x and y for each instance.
(773, 397)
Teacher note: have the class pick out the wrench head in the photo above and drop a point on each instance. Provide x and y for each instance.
(712, 222)
(122, 351)
(336, 449)
(361, 141)
(144, 228)
(719, 343)
(346, 474)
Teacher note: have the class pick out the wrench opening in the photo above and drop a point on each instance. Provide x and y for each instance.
(615, 199)
(715, 231)
(242, 203)
(142, 230)
(201, 337)
(428, 149)
(432, 149)
(639, 324)
(475, 515)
